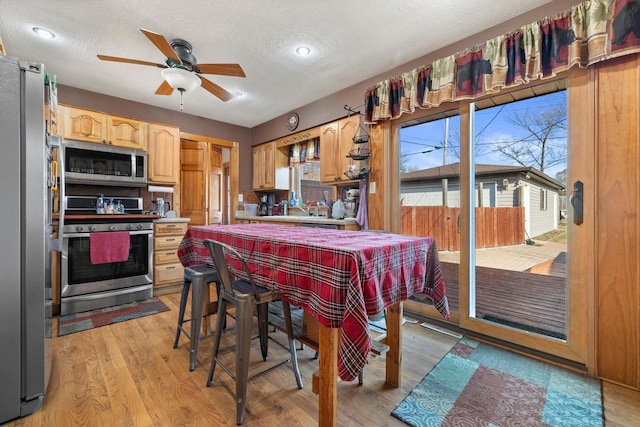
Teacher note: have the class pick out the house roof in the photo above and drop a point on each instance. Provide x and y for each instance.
(452, 171)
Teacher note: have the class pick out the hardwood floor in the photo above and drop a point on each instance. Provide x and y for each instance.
(129, 374)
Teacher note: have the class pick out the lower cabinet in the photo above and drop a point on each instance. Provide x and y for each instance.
(168, 272)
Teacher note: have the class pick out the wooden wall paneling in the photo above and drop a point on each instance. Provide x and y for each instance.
(618, 237)
(377, 202)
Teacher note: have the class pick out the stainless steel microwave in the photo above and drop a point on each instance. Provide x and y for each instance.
(100, 164)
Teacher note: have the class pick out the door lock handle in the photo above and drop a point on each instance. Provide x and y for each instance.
(576, 201)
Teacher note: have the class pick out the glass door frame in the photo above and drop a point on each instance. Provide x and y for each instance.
(579, 344)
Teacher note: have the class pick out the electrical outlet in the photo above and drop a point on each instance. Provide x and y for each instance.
(240, 198)
(372, 187)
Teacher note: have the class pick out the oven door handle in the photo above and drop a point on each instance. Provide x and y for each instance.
(132, 233)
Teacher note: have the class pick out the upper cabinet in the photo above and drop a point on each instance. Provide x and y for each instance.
(270, 167)
(101, 128)
(163, 145)
(336, 141)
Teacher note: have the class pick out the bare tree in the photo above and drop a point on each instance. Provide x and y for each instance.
(544, 146)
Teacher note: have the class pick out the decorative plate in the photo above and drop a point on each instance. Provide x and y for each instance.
(292, 121)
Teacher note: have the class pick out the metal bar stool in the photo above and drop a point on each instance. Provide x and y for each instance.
(200, 276)
(245, 295)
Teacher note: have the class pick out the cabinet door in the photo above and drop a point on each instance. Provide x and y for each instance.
(126, 132)
(163, 145)
(84, 125)
(347, 129)
(258, 167)
(269, 165)
(328, 156)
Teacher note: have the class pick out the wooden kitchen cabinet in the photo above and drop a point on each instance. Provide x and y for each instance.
(163, 146)
(270, 167)
(168, 272)
(101, 128)
(336, 140)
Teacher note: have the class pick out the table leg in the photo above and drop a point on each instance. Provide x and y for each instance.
(328, 372)
(394, 341)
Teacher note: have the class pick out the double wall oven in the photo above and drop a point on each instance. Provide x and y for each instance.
(88, 283)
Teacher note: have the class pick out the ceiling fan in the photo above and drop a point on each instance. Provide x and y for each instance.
(182, 72)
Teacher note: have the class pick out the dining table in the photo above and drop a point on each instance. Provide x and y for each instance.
(340, 278)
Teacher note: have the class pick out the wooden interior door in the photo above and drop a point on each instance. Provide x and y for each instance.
(193, 181)
(216, 190)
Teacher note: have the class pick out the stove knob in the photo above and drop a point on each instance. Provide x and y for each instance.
(78, 228)
(112, 228)
(92, 228)
(129, 226)
(139, 226)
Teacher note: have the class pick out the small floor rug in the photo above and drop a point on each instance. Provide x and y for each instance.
(477, 384)
(77, 322)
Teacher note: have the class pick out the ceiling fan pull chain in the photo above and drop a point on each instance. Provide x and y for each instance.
(181, 104)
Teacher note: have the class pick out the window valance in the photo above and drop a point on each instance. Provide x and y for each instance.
(592, 31)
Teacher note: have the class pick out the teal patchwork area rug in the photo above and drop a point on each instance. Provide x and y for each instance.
(477, 384)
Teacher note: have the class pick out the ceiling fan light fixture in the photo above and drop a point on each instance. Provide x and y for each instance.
(179, 79)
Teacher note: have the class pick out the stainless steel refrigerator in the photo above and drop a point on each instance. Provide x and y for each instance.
(25, 230)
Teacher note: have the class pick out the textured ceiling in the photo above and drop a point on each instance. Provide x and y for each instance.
(347, 39)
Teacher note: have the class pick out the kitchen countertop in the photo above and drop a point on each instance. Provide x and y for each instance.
(173, 220)
(299, 219)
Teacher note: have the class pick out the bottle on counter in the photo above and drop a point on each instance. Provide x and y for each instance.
(285, 208)
(100, 208)
(293, 198)
(110, 208)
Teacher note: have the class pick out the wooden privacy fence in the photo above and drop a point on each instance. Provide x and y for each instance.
(494, 226)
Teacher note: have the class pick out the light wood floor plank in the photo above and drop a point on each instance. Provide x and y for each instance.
(130, 374)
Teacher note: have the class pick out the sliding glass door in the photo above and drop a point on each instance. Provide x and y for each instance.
(488, 180)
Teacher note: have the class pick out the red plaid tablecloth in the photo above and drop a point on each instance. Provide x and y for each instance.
(339, 277)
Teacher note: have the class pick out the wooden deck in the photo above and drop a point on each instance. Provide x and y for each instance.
(525, 300)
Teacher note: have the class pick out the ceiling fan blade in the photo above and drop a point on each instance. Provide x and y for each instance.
(215, 89)
(130, 61)
(164, 89)
(234, 70)
(161, 43)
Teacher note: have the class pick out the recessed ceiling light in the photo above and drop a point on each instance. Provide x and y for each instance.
(44, 33)
(303, 50)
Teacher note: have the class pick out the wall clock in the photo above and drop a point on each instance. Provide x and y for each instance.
(292, 121)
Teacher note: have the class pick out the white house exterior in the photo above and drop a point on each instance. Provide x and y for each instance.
(496, 186)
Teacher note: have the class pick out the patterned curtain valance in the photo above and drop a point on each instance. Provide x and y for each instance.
(592, 31)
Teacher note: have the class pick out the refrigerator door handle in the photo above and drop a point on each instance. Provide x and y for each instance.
(56, 142)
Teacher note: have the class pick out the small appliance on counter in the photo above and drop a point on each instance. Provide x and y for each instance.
(163, 207)
(263, 209)
(351, 203)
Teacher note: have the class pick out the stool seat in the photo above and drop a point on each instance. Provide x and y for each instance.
(200, 276)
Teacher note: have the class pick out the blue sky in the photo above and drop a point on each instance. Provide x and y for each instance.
(417, 143)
